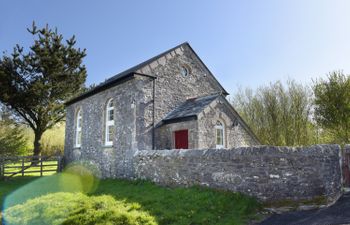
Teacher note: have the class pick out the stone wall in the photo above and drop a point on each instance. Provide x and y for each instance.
(116, 160)
(268, 173)
(166, 138)
(172, 89)
(235, 135)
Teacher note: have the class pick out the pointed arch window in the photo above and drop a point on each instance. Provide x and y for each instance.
(109, 123)
(220, 134)
(78, 128)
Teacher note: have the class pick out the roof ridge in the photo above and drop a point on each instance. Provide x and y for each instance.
(128, 74)
(144, 63)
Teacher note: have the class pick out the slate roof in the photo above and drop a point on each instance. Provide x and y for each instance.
(190, 108)
(129, 73)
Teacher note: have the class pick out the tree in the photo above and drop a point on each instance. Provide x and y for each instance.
(12, 140)
(277, 114)
(35, 84)
(332, 105)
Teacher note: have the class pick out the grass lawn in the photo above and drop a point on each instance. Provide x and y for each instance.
(168, 205)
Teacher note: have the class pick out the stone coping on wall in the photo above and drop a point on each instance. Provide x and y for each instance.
(253, 150)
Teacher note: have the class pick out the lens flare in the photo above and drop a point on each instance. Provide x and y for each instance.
(82, 176)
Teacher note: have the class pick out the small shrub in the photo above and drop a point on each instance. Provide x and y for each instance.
(77, 208)
(12, 140)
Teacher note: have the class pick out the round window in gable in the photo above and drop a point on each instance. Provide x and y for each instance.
(184, 71)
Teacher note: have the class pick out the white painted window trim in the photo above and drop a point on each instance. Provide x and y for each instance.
(220, 127)
(78, 129)
(108, 122)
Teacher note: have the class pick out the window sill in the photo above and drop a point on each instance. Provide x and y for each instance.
(76, 147)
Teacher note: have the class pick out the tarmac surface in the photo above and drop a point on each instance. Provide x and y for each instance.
(336, 214)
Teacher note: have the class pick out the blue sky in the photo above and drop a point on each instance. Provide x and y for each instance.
(244, 43)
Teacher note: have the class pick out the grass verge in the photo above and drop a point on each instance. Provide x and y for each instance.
(77, 209)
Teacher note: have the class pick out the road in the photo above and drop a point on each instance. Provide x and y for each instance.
(337, 214)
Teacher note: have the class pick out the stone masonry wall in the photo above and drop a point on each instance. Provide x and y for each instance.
(112, 161)
(268, 173)
(172, 89)
(235, 135)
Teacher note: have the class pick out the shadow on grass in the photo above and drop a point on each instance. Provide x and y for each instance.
(194, 205)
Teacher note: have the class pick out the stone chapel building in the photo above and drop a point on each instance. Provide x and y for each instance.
(171, 101)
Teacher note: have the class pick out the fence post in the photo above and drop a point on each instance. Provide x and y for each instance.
(22, 166)
(41, 166)
(1, 169)
(58, 163)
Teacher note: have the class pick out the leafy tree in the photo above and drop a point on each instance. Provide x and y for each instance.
(277, 114)
(332, 105)
(35, 84)
(12, 140)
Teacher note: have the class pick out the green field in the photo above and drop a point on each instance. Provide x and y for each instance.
(181, 206)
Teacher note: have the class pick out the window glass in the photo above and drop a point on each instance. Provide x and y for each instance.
(110, 103)
(79, 121)
(110, 114)
(184, 71)
(109, 123)
(79, 138)
(78, 129)
(219, 137)
(110, 133)
(219, 131)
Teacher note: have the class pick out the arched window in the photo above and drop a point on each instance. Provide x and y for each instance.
(220, 134)
(78, 129)
(109, 123)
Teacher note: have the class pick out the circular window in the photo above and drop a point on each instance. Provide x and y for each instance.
(184, 71)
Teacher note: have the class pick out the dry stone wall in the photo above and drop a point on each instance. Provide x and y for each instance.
(268, 173)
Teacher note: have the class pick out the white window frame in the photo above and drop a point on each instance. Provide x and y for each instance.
(109, 123)
(78, 129)
(220, 127)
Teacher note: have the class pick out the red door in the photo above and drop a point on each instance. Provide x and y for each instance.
(181, 139)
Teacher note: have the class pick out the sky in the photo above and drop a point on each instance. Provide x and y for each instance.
(244, 43)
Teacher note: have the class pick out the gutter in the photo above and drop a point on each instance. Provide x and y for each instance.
(180, 119)
(100, 88)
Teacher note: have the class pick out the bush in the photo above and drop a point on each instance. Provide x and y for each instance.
(77, 208)
(12, 140)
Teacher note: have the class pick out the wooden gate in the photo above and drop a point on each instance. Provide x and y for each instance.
(346, 168)
(29, 165)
